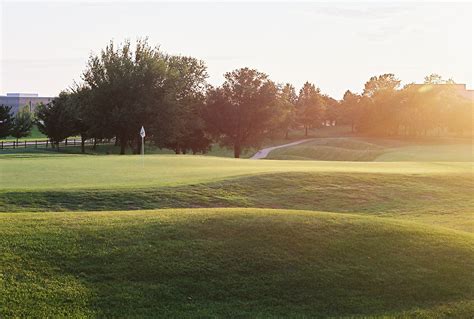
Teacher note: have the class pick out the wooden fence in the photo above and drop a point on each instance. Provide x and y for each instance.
(71, 142)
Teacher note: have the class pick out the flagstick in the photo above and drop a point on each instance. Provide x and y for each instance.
(142, 134)
(143, 151)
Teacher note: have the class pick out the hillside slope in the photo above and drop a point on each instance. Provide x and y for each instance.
(372, 149)
(440, 199)
(230, 263)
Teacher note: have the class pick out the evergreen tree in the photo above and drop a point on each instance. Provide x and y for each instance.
(6, 121)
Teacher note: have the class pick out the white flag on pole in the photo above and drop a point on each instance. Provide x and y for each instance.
(142, 134)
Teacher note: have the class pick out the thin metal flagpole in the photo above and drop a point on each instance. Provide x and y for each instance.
(143, 152)
(142, 134)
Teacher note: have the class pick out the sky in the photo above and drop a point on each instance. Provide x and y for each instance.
(44, 46)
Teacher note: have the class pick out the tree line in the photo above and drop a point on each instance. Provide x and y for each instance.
(125, 87)
(434, 108)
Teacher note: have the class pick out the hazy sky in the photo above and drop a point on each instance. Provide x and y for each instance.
(337, 46)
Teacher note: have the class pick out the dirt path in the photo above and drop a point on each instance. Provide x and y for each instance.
(264, 152)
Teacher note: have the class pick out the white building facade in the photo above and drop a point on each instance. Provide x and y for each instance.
(19, 100)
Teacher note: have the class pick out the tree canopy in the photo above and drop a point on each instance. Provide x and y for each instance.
(241, 111)
(309, 107)
(55, 119)
(6, 121)
(22, 123)
(128, 86)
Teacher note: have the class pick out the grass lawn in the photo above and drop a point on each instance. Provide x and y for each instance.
(201, 236)
(371, 149)
(216, 149)
(52, 171)
(109, 149)
(34, 135)
(432, 193)
(434, 199)
(456, 152)
(231, 263)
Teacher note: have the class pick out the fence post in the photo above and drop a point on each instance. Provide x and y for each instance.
(25, 143)
(2, 145)
(74, 141)
(46, 143)
(65, 142)
(36, 143)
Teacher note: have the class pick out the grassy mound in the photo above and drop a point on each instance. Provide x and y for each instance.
(457, 152)
(371, 149)
(330, 149)
(229, 263)
(442, 199)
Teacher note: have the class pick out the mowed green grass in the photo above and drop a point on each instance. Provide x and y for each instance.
(372, 149)
(435, 199)
(240, 263)
(377, 250)
(34, 135)
(433, 193)
(52, 171)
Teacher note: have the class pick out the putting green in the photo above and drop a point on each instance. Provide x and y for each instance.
(23, 172)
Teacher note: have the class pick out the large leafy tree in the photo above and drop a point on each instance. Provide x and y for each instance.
(287, 100)
(331, 107)
(426, 108)
(460, 118)
(6, 120)
(129, 90)
(22, 124)
(309, 107)
(186, 80)
(435, 79)
(81, 108)
(350, 109)
(380, 114)
(55, 119)
(241, 111)
(415, 108)
(381, 83)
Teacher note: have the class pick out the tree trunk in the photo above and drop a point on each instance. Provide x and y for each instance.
(83, 143)
(123, 144)
(95, 144)
(237, 149)
(138, 149)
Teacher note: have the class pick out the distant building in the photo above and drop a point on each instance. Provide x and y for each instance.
(462, 91)
(18, 100)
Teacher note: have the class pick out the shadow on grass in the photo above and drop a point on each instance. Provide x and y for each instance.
(336, 192)
(237, 264)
